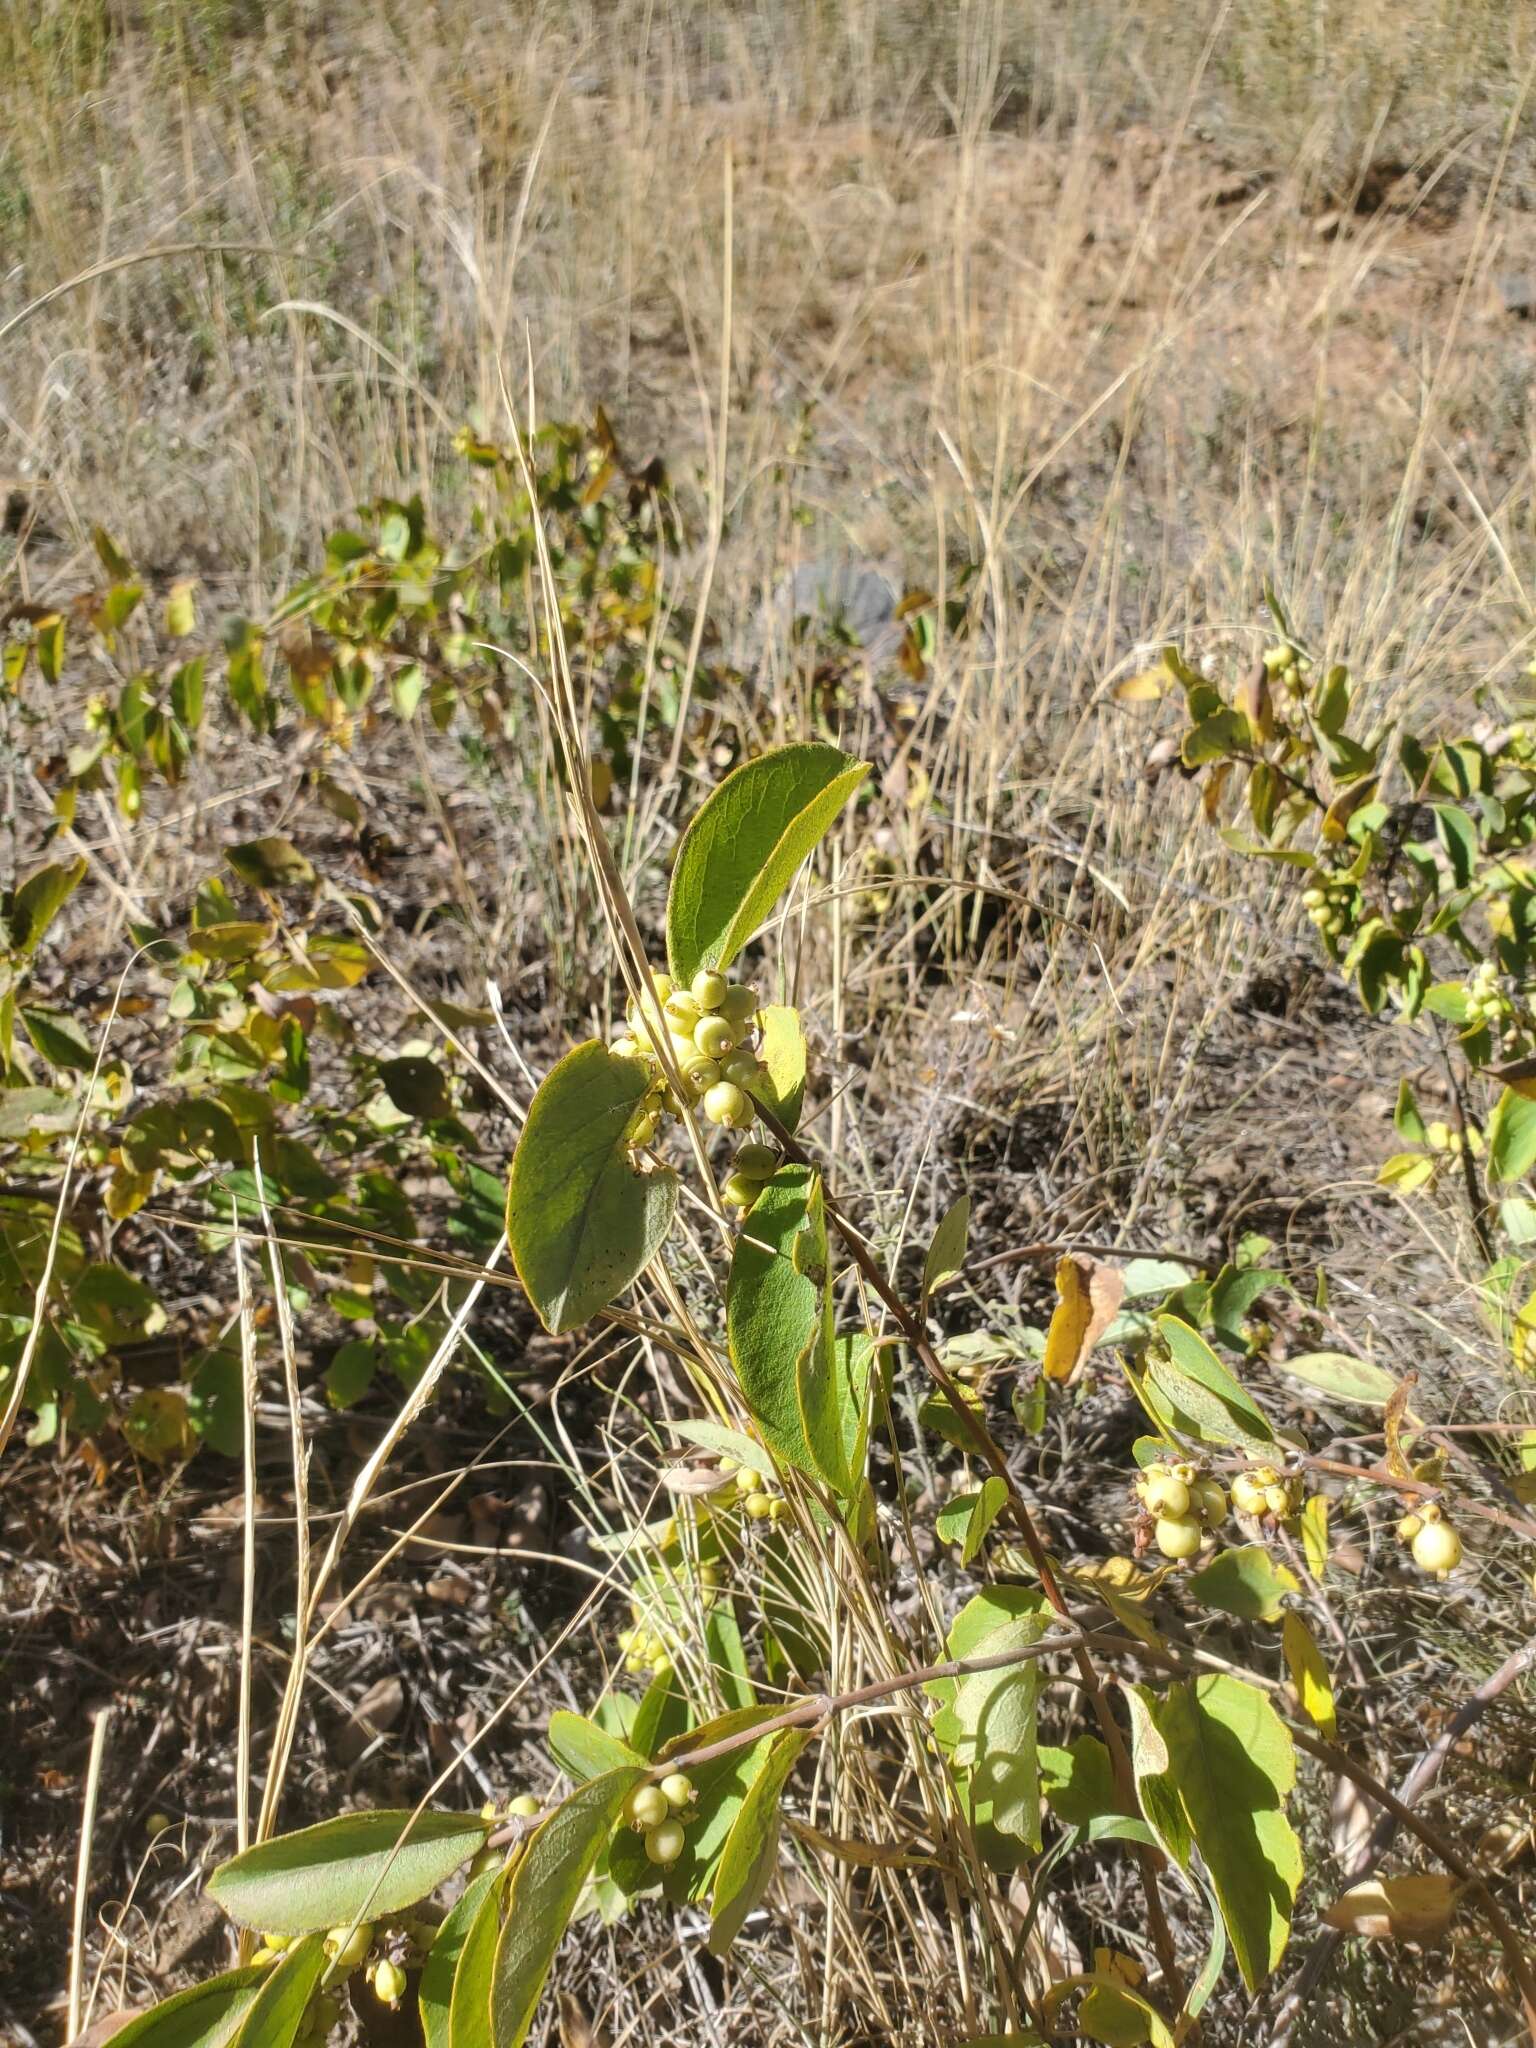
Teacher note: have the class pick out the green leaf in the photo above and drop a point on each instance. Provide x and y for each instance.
(469, 2000)
(773, 1310)
(1233, 1763)
(1406, 1120)
(752, 1846)
(542, 1892)
(1244, 1581)
(742, 849)
(35, 1109)
(781, 1052)
(987, 1718)
(1192, 1393)
(39, 899)
(354, 1867)
(583, 1750)
(582, 1223)
(281, 2008)
(1151, 1766)
(58, 1037)
(946, 1252)
(1343, 1378)
(969, 1516)
(270, 864)
(416, 1086)
(206, 2016)
(1511, 1136)
(1079, 1781)
(435, 1992)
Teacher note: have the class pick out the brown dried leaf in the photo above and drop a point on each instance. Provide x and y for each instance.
(1089, 1297)
(374, 1715)
(1416, 1907)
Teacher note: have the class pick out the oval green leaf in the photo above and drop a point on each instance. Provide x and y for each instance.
(742, 849)
(1511, 1137)
(946, 1251)
(355, 1867)
(1344, 1378)
(1245, 1581)
(541, 1897)
(752, 1846)
(281, 2007)
(581, 1222)
(773, 1307)
(1233, 1764)
(469, 2001)
(206, 2016)
(434, 1996)
(583, 1750)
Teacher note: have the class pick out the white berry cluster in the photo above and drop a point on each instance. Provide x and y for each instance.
(1486, 1001)
(711, 1029)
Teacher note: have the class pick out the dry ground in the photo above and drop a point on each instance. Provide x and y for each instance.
(1115, 313)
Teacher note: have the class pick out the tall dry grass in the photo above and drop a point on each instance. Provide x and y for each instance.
(1095, 316)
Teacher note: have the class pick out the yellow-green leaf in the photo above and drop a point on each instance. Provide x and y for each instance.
(1309, 1674)
(1233, 1763)
(1245, 1581)
(742, 849)
(542, 1891)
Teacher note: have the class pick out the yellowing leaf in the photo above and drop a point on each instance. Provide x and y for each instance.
(1089, 1295)
(1314, 1533)
(1144, 688)
(180, 611)
(1414, 1907)
(1344, 806)
(1309, 1674)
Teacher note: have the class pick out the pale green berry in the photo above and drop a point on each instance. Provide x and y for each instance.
(683, 1012)
(389, 1982)
(484, 1860)
(1437, 1548)
(708, 988)
(1409, 1527)
(646, 1807)
(1177, 1537)
(739, 1003)
(757, 1506)
(778, 1507)
(1278, 1500)
(1314, 899)
(1167, 1494)
(625, 1048)
(739, 1191)
(758, 1162)
(701, 1076)
(1210, 1502)
(726, 1104)
(1248, 1495)
(524, 1807)
(664, 1844)
(742, 1069)
(713, 1037)
(750, 1481)
(677, 1790)
(347, 1946)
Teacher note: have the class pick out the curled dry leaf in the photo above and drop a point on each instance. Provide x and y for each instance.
(1089, 1298)
(374, 1715)
(1417, 1907)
